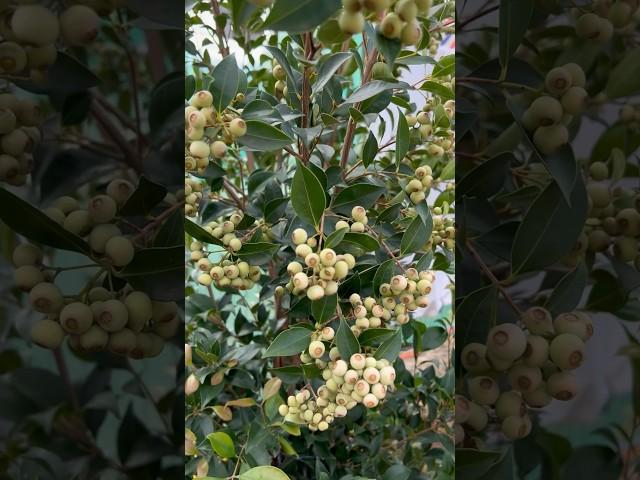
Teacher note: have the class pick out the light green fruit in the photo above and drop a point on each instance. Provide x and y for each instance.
(14, 143)
(76, 317)
(620, 14)
(625, 249)
(411, 33)
(201, 99)
(483, 390)
(7, 121)
(567, 351)
(407, 10)
(599, 171)
(122, 342)
(599, 194)
(218, 149)
(578, 78)
(316, 349)
(163, 311)
(462, 409)
(120, 190)
(514, 427)
(506, 341)
(35, 24)
(112, 315)
(545, 111)
(558, 81)
(498, 364)
(474, 359)
(588, 26)
(119, 250)
(315, 292)
(102, 209)
(26, 254)
(478, 417)
(9, 168)
(139, 310)
(538, 398)
(548, 139)
(537, 352)
(94, 339)
(47, 334)
(562, 386)
(79, 25)
(599, 241)
(27, 276)
(299, 236)
(423, 5)
(101, 234)
(606, 31)
(376, 5)
(576, 323)
(391, 26)
(510, 404)
(46, 298)
(628, 222)
(573, 100)
(78, 222)
(98, 294)
(524, 378)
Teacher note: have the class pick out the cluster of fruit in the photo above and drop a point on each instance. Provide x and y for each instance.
(363, 379)
(399, 18)
(548, 115)
(406, 293)
(193, 188)
(607, 17)
(321, 272)
(614, 218)
(281, 80)
(537, 364)
(419, 185)
(444, 230)
(127, 322)
(369, 313)
(30, 33)
(208, 132)
(19, 134)
(95, 222)
(359, 223)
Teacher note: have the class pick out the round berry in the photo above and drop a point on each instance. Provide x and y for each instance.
(101, 234)
(94, 339)
(112, 315)
(506, 341)
(316, 349)
(315, 292)
(558, 81)
(483, 390)
(237, 127)
(562, 386)
(510, 404)
(47, 334)
(351, 22)
(46, 298)
(79, 25)
(567, 351)
(76, 317)
(26, 254)
(514, 427)
(524, 378)
(122, 342)
(474, 359)
(78, 222)
(537, 351)
(538, 398)
(139, 310)
(119, 250)
(120, 190)
(478, 417)
(35, 24)
(27, 277)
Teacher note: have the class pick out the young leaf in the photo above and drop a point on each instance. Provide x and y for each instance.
(307, 195)
(222, 444)
(264, 473)
(346, 341)
(290, 342)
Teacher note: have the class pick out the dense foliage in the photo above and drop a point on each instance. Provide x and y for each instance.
(548, 219)
(319, 213)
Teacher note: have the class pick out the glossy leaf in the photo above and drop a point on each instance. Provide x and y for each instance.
(290, 342)
(307, 195)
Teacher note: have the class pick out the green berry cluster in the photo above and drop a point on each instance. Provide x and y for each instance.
(359, 220)
(362, 380)
(548, 115)
(629, 113)
(124, 322)
(420, 184)
(321, 272)
(193, 189)
(208, 132)
(406, 293)
(535, 364)
(399, 19)
(97, 222)
(605, 18)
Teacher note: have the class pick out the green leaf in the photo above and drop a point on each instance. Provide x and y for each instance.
(298, 16)
(147, 195)
(514, 21)
(371, 89)
(335, 238)
(264, 473)
(438, 89)
(487, 178)
(30, 222)
(414, 237)
(346, 341)
(391, 347)
(445, 66)
(281, 58)
(449, 171)
(389, 48)
(543, 239)
(360, 194)
(227, 81)
(323, 309)
(361, 240)
(307, 195)
(328, 69)
(370, 150)
(371, 336)
(383, 274)
(257, 253)
(155, 260)
(222, 444)
(397, 472)
(199, 233)
(263, 137)
(402, 139)
(568, 292)
(290, 342)
(624, 80)
(434, 337)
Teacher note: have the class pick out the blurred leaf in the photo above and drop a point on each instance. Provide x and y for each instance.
(145, 197)
(514, 21)
(623, 79)
(298, 16)
(568, 292)
(264, 473)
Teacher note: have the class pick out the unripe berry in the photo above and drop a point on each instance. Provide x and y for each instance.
(79, 25)
(514, 427)
(620, 14)
(524, 378)
(538, 321)
(53, 213)
(294, 268)
(46, 298)
(387, 375)
(351, 22)
(340, 368)
(237, 127)
(357, 361)
(102, 209)
(26, 254)
(340, 224)
(76, 317)
(35, 24)
(573, 100)
(94, 339)
(316, 349)
(357, 227)
(539, 398)
(506, 341)
(340, 411)
(462, 409)
(391, 25)
(483, 390)
(122, 342)
(327, 333)
(537, 351)
(47, 334)
(119, 250)
(78, 222)
(112, 315)
(218, 149)
(370, 400)
(315, 292)
(575, 323)
(303, 250)
(351, 377)
(478, 418)
(27, 277)
(510, 404)
(191, 385)
(558, 81)
(101, 234)
(376, 5)
(562, 386)
(588, 26)
(341, 269)
(328, 257)
(312, 260)
(567, 351)
(411, 33)
(628, 222)
(549, 138)
(599, 194)
(359, 214)
(578, 78)
(371, 375)
(544, 111)
(201, 99)
(599, 171)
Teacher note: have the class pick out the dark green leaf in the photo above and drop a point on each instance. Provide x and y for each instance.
(262, 137)
(227, 81)
(402, 140)
(346, 341)
(307, 195)
(370, 150)
(328, 68)
(568, 292)
(391, 347)
(297, 16)
(372, 336)
(361, 240)
(624, 80)
(199, 233)
(514, 21)
(290, 342)
(325, 308)
(373, 88)
(146, 196)
(415, 237)
(360, 194)
(257, 253)
(335, 238)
